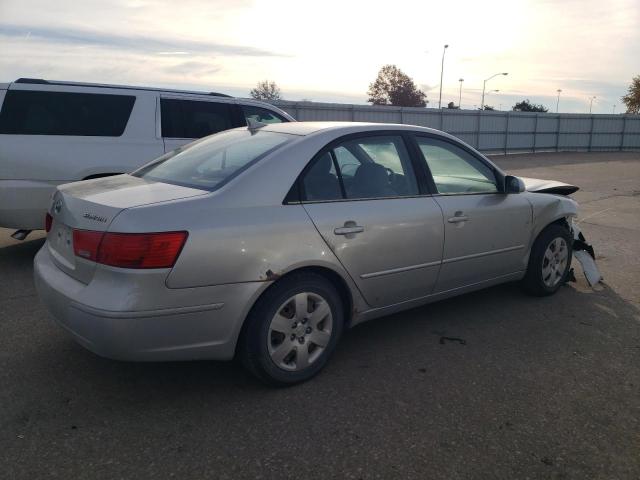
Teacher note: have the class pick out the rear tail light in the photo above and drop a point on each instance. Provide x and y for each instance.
(48, 220)
(86, 244)
(130, 250)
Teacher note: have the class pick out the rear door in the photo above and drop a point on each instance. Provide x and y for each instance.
(486, 231)
(184, 119)
(375, 216)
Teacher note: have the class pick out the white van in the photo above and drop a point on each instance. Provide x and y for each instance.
(55, 132)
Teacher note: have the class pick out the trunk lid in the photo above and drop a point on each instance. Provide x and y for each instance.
(92, 205)
(537, 185)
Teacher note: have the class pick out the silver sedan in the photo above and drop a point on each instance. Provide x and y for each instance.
(266, 242)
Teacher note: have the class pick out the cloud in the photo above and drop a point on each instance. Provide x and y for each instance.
(133, 43)
(193, 67)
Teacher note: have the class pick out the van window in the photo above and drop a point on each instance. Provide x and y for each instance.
(26, 112)
(262, 115)
(193, 119)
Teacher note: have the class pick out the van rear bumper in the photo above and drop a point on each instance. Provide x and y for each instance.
(24, 203)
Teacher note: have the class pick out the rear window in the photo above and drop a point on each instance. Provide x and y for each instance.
(193, 119)
(211, 162)
(65, 113)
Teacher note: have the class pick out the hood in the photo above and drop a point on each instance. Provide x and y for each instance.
(548, 186)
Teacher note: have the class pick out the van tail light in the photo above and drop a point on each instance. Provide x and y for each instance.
(130, 250)
(48, 220)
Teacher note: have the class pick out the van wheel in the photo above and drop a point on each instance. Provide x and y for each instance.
(292, 330)
(549, 261)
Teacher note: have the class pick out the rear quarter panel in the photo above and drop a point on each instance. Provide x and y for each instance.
(235, 244)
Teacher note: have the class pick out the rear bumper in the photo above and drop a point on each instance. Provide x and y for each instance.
(23, 203)
(189, 330)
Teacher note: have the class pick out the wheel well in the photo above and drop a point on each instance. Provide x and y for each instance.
(562, 221)
(338, 282)
(100, 175)
(335, 279)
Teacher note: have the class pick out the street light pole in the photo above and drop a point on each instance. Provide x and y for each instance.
(614, 108)
(444, 50)
(591, 103)
(484, 86)
(558, 101)
(460, 94)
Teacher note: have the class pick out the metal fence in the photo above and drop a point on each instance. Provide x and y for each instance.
(492, 131)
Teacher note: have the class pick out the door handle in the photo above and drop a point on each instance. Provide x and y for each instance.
(348, 230)
(458, 217)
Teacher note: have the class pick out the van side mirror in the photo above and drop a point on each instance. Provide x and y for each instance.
(513, 184)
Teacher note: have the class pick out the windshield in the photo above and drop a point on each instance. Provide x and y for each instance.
(213, 161)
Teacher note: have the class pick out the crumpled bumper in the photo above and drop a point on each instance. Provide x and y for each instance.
(584, 253)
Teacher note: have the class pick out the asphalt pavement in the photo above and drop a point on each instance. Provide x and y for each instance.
(541, 387)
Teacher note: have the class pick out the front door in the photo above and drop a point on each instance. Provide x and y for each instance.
(363, 197)
(486, 232)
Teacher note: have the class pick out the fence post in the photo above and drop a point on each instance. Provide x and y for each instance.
(441, 119)
(295, 105)
(591, 133)
(353, 113)
(624, 128)
(535, 133)
(402, 115)
(478, 129)
(558, 133)
(506, 134)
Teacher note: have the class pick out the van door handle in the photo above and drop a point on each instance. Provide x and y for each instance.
(458, 217)
(350, 228)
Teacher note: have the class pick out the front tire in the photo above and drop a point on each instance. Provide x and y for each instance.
(292, 330)
(549, 262)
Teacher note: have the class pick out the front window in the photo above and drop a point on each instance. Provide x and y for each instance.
(454, 170)
(210, 163)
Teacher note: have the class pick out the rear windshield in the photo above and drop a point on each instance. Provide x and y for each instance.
(213, 161)
(27, 112)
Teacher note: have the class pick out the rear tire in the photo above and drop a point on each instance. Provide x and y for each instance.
(292, 330)
(549, 262)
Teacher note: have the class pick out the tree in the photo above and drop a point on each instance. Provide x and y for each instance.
(266, 90)
(632, 98)
(527, 106)
(488, 107)
(394, 87)
(453, 106)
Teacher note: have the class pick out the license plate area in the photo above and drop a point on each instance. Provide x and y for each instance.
(61, 244)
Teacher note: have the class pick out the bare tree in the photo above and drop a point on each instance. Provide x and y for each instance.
(266, 90)
(394, 87)
(632, 98)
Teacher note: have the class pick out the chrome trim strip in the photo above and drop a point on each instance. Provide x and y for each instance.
(483, 254)
(399, 270)
(364, 276)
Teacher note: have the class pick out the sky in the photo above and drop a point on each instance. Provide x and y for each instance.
(332, 50)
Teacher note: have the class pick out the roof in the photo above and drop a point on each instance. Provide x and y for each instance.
(308, 128)
(40, 81)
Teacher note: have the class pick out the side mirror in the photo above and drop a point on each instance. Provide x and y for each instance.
(513, 184)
